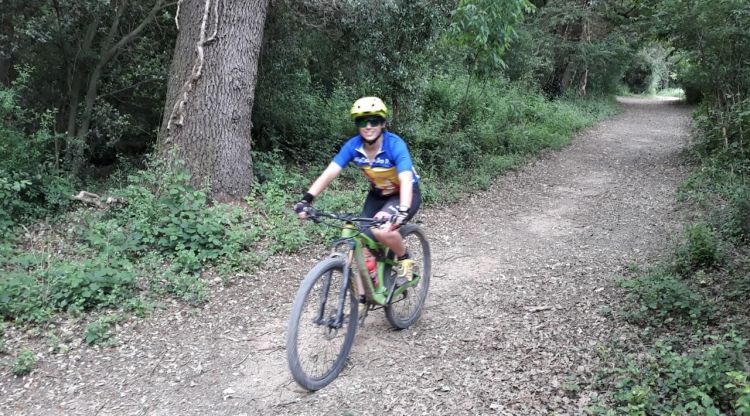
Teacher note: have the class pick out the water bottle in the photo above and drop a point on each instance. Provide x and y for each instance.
(372, 268)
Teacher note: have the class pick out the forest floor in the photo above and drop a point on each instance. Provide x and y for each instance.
(517, 320)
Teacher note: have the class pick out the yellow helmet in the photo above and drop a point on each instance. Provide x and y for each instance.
(369, 106)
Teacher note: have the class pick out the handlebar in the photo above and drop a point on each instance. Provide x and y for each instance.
(316, 216)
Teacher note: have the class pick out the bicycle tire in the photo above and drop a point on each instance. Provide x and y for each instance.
(404, 311)
(303, 333)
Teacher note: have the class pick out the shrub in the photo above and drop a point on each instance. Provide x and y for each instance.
(735, 221)
(706, 380)
(32, 182)
(35, 289)
(166, 213)
(22, 298)
(701, 250)
(648, 71)
(99, 331)
(91, 283)
(659, 298)
(24, 363)
(738, 383)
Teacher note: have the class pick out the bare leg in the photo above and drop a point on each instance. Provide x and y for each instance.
(391, 238)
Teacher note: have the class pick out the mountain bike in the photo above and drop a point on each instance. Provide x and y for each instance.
(326, 313)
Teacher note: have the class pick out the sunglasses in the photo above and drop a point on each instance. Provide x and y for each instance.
(373, 121)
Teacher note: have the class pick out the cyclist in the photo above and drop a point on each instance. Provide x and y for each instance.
(385, 160)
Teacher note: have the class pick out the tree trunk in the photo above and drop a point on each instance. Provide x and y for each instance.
(211, 92)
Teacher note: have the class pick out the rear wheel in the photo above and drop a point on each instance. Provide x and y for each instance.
(318, 342)
(405, 308)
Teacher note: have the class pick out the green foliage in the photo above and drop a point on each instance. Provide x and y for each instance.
(31, 182)
(735, 217)
(97, 282)
(165, 213)
(715, 38)
(649, 70)
(659, 298)
(500, 124)
(721, 182)
(301, 138)
(701, 249)
(99, 331)
(25, 362)
(707, 380)
(723, 129)
(22, 298)
(34, 289)
(66, 40)
(486, 28)
(319, 57)
(574, 48)
(279, 187)
(740, 386)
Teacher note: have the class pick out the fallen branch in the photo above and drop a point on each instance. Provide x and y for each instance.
(88, 198)
(95, 200)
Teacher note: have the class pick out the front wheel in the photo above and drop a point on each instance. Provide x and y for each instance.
(322, 325)
(405, 308)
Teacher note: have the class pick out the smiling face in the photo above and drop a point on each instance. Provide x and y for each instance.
(370, 128)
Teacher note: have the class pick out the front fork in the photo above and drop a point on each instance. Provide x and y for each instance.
(337, 320)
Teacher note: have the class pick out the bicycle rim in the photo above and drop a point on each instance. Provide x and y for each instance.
(404, 310)
(316, 351)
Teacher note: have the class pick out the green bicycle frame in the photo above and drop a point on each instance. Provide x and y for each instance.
(375, 293)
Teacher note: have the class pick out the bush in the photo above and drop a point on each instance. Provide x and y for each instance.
(24, 363)
(99, 331)
(33, 294)
(166, 213)
(32, 182)
(707, 380)
(22, 298)
(659, 298)
(701, 249)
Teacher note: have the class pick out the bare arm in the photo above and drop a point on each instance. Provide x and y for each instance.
(325, 179)
(407, 187)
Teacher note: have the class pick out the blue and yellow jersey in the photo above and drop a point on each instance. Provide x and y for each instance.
(382, 172)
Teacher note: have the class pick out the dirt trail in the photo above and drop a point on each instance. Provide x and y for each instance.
(514, 324)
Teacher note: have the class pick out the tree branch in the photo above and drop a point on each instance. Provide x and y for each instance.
(135, 32)
(109, 52)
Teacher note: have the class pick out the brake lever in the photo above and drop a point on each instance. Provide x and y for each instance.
(312, 214)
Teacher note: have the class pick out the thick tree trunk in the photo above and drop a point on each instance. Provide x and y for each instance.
(211, 92)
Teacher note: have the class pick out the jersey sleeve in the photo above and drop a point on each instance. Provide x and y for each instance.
(345, 154)
(402, 156)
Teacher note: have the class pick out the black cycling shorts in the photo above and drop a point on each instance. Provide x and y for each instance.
(375, 203)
